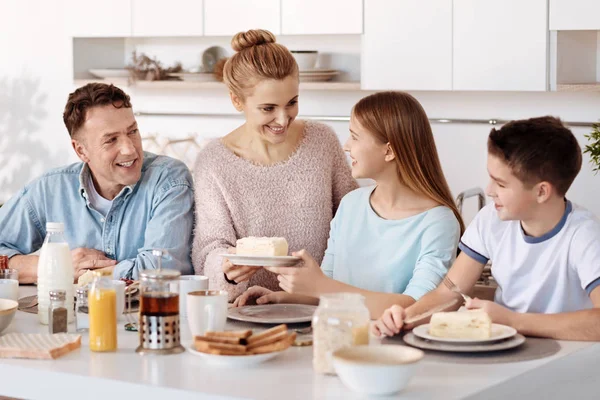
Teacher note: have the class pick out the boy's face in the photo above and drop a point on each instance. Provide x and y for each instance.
(513, 199)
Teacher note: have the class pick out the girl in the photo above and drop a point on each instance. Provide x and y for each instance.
(392, 242)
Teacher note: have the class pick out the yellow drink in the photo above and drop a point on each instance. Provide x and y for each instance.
(102, 305)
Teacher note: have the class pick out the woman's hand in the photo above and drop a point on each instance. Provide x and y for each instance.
(237, 273)
(304, 279)
(260, 295)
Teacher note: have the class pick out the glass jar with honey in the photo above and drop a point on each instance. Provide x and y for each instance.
(341, 320)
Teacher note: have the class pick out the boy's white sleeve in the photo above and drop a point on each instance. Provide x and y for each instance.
(585, 256)
(473, 242)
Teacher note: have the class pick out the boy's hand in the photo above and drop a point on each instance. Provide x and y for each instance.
(391, 322)
(498, 314)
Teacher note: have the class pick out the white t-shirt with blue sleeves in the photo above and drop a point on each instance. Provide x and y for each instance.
(409, 256)
(553, 273)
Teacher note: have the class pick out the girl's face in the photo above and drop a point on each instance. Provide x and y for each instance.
(271, 108)
(369, 156)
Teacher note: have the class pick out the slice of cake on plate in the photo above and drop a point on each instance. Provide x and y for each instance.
(472, 324)
(262, 246)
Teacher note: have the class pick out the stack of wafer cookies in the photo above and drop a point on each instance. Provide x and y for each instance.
(241, 343)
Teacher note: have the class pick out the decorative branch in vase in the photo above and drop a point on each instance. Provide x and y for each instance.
(145, 68)
(593, 148)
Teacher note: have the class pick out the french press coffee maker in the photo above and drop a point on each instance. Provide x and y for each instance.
(159, 326)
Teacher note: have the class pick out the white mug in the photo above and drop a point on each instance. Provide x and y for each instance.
(189, 283)
(207, 311)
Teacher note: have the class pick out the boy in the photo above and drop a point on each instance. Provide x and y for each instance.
(545, 251)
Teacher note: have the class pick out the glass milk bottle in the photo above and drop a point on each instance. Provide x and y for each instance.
(341, 320)
(55, 271)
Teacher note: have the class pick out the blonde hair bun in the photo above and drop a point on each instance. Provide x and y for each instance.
(253, 37)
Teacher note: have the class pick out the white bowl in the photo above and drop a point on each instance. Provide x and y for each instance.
(306, 59)
(8, 309)
(376, 370)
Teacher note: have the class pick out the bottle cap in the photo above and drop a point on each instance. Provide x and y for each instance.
(55, 226)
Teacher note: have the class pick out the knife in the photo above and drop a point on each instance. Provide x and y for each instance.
(429, 313)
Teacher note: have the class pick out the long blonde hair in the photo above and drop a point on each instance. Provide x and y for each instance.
(257, 58)
(399, 119)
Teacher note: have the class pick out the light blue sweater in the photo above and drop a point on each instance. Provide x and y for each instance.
(409, 256)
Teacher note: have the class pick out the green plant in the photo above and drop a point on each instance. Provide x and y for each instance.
(594, 147)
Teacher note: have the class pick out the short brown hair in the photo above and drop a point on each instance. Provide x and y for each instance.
(258, 58)
(538, 149)
(88, 96)
(399, 119)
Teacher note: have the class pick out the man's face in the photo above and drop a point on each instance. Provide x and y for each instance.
(512, 198)
(110, 143)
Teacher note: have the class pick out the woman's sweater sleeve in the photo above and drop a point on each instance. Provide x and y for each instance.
(343, 182)
(214, 232)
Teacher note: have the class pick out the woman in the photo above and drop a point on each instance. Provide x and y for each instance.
(272, 176)
(392, 242)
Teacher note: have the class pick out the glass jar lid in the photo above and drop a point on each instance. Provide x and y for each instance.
(58, 295)
(159, 275)
(82, 292)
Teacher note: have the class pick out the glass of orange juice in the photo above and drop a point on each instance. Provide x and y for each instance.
(102, 305)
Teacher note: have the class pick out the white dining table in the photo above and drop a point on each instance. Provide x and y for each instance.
(83, 374)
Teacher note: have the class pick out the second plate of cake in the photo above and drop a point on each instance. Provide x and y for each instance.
(499, 332)
(262, 261)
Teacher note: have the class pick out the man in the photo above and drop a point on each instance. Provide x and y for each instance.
(117, 205)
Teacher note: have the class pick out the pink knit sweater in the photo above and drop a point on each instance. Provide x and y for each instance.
(295, 199)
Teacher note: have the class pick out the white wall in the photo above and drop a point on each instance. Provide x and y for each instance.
(35, 79)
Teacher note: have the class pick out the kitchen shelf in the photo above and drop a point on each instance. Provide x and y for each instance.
(210, 85)
(581, 87)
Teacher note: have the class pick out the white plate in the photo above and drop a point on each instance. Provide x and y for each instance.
(262, 261)
(319, 71)
(273, 313)
(413, 340)
(109, 73)
(318, 77)
(195, 77)
(499, 332)
(234, 361)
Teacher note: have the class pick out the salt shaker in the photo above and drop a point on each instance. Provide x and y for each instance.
(82, 318)
(57, 312)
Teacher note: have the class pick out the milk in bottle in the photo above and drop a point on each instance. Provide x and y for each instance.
(55, 270)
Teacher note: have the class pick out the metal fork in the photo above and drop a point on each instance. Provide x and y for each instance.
(453, 288)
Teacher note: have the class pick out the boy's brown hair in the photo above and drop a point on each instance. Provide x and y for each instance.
(538, 149)
(88, 96)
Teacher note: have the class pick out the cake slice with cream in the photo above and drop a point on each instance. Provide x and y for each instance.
(262, 246)
(472, 324)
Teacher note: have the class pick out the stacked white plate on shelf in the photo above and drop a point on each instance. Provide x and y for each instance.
(318, 75)
(195, 76)
(109, 73)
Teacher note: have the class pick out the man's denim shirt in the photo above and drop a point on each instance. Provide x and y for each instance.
(155, 213)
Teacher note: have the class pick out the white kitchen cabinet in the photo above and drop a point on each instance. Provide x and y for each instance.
(574, 15)
(500, 45)
(106, 18)
(155, 18)
(407, 45)
(318, 17)
(228, 17)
